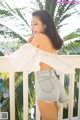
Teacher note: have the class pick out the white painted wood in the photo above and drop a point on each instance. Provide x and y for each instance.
(71, 97)
(12, 96)
(5, 66)
(37, 112)
(73, 60)
(61, 109)
(79, 101)
(25, 95)
(60, 114)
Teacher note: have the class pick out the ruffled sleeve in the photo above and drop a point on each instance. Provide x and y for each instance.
(23, 58)
(28, 57)
(57, 63)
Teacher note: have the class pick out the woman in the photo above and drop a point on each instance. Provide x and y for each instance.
(46, 37)
(40, 56)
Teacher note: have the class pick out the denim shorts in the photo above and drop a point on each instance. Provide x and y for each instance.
(48, 87)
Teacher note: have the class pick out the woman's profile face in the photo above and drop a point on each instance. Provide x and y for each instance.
(37, 25)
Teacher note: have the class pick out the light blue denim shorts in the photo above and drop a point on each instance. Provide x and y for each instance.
(48, 87)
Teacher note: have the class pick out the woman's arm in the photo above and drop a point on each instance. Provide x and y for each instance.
(5, 52)
(37, 39)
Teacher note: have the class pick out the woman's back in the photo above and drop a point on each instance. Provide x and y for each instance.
(44, 43)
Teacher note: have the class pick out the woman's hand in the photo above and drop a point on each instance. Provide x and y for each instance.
(7, 53)
(30, 39)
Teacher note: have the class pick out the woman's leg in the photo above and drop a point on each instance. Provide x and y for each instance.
(49, 111)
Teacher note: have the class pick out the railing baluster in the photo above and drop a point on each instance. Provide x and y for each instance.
(6, 66)
(79, 102)
(12, 95)
(61, 109)
(71, 97)
(37, 112)
(25, 95)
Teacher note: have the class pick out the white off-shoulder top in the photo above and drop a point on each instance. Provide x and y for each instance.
(28, 57)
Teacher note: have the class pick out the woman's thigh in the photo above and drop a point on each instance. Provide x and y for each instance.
(49, 111)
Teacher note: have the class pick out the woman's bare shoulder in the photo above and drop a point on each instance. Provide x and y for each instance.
(40, 36)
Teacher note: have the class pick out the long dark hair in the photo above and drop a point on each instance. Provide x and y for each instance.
(50, 30)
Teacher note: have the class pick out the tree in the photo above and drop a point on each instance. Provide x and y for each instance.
(59, 13)
(17, 15)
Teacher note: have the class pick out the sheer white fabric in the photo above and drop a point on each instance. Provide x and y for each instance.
(28, 57)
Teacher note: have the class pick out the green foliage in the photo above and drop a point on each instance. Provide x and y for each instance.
(72, 48)
(15, 15)
(3, 12)
(50, 6)
(32, 96)
(19, 96)
(1, 54)
(59, 14)
(76, 93)
(71, 36)
(10, 45)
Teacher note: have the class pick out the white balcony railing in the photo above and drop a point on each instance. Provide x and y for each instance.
(5, 66)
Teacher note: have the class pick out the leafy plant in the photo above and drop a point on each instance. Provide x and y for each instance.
(19, 96)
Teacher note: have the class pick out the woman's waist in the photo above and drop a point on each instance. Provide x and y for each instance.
(44, 66)
(45, 73)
